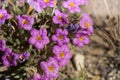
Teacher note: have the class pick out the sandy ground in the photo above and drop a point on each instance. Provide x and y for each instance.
(99, 10)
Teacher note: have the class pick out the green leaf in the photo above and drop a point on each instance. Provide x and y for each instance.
(17, 41)
(17, 10)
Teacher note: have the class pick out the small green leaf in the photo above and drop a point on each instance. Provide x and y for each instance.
(17, 10)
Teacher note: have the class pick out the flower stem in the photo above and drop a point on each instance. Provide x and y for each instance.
(29, 10)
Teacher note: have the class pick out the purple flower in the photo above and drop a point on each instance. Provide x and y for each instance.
(45, 78)
(61, 36)
(73, 27)
(2, 45)
(72, 5)
(80, 40)
(39, 38)
(23, 56)
(3, 16)
(46, 3)
(87, 23)
(9, 58)
(84, 31)
(60, 18)
(39, 5)
(25, 22)
(35, 5)
(36, 77)
(62, 54)
(50, 68)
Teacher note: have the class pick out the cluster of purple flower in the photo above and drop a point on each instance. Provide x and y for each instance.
(86, 29)
(71, 5)
(10, 58)
(24, 21)
(39, 38)
(61, 51)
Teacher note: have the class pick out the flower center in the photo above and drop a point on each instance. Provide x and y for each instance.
(51, 68)
(9, 57)
(87, 24)
(39, 38)
(62, 55)
(1, 16)
(21, 57)
(25, 21)
(60, 37)
(59, 18)
(46, 1)
(80, 38)
(72, 4)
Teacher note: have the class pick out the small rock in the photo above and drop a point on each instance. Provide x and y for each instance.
(3, 68)
(79, 61)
